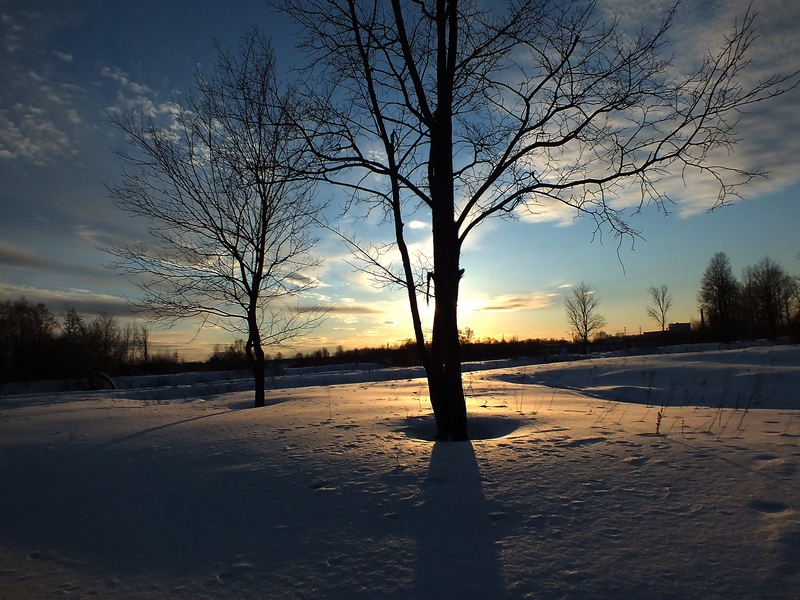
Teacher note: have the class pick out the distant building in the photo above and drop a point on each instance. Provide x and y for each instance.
(680, 327)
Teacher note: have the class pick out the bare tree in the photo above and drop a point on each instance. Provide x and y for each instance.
(460, 112)
(582, 313)
(662, 302)
(719, 296)
(767, 292)
(232, 228)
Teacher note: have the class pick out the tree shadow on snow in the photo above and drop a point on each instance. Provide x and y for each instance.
(480, 427)
(456, 552)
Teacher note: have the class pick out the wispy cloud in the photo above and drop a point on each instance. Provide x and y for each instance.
(515, 303)
(58, 301)
(353, 308)
(28, 133)
(39, 110)
(123, 79)
(14, 256)
(139, 98)
(12, 33)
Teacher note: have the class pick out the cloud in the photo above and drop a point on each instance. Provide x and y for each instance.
(353, 308)
(14, 256)
(73, 116)
(58, 301)
(96, 237)
(39, 267)
(139, 98)
(550, 211)
(39, 116)
(515, 303)
(27, 132)
(356, 309)
(12, 34)
(123, 79)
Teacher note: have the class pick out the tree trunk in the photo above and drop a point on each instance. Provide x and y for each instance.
(255, 356)
(444, 368)
(446, 390)
(258, 374)
(444, 373)
(444, 382)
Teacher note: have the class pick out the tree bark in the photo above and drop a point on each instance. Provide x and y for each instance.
(258, 375)
(255, 356)
(444, 375)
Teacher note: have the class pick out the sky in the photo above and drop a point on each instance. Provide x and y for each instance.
(65, 65)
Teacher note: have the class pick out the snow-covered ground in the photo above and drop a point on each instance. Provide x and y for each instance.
(662, 476)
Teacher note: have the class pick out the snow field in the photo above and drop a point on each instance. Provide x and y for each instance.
(566, 491)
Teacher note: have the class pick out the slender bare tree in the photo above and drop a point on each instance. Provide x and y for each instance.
(462, 111)
(582, 313)
(661, 303)
(232, 228)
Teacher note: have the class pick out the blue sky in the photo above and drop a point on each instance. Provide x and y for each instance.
(64, 64)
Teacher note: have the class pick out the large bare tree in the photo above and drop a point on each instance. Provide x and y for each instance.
(460, 111)
(232, 228)
(582, 315)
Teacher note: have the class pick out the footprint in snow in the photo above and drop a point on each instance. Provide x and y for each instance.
(583, 442)
(224, 576)
(767, 506)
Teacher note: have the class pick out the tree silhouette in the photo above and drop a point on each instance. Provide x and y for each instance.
(767, 294)
(232, 227)
(661, 303)
(582, 313)
(27, 332)
(719, 296)
(461, 112)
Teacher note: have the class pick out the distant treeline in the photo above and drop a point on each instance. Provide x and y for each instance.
(405, 354)
(34, 345)
(764, 304)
